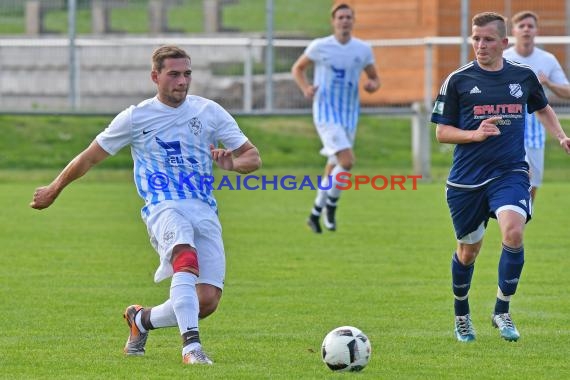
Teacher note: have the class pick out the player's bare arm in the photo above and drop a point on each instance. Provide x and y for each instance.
(299, 70)
(44, 196)
(548, 118)
(244, 159)
(372, 83)
(453, 135)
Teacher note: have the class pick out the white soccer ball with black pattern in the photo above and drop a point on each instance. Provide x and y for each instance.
(346, 348)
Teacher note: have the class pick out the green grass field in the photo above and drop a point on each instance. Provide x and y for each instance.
(69, 271)
(187, 17)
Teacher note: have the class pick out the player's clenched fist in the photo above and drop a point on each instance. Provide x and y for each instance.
(43, 197)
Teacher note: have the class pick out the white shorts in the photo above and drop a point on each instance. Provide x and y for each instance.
(535, 159)
(334, 138)
(192, 222)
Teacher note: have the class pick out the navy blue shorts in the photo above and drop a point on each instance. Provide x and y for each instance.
(471, 208)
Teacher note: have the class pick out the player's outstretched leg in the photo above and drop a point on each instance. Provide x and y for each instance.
(137, 338)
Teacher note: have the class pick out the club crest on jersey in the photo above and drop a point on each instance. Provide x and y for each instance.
(168, 237)
(195, 126)
(516, 90)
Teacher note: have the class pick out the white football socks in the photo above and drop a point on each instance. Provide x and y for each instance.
(334, 191)
(185, 303)
(163, 315)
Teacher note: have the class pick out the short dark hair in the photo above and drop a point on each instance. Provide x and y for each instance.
(164, 52)
(518, 17)
(482, 19)
(339, 7)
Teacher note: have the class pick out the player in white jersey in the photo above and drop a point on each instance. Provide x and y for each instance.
(339, 60)
(551, 76)
(174, 141)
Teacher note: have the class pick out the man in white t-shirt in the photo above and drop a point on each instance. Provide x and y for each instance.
(551, 76)
(339, 60)
(174, 141)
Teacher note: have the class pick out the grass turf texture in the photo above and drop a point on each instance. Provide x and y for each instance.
(68, 272)
(383, 144)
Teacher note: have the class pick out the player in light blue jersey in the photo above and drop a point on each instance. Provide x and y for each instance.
(338, 60)
(551, 76)
(481, 107)
(174, 141)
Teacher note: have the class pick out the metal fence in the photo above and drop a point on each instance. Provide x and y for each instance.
(104, 71)
(113, 73)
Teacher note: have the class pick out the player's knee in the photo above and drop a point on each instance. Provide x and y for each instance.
(207, 308)
(347, 163)
(346, 159)
(209, 297)
(513, 235)
(467, 253)
(185, 260)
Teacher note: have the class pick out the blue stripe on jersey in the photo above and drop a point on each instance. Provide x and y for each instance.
(355, 107)
(338, 106)
(138, 179)
(321, 108)
(156, 195)
(166, 192)
(334, 109)
(328, 115)
(341, 104)
(534, 135)
(203, 191)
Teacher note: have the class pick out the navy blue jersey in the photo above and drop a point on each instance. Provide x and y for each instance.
(470, 95)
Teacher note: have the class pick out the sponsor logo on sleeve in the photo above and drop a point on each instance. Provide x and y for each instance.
(438, 107)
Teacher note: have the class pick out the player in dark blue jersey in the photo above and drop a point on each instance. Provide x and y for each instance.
(481, 108)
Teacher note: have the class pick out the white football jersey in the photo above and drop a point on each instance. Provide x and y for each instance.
(337, 72)
(171, 147)
(539, 61)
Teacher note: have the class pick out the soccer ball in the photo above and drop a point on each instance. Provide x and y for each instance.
(346, 348)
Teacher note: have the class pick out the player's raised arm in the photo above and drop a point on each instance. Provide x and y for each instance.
(44, 196)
